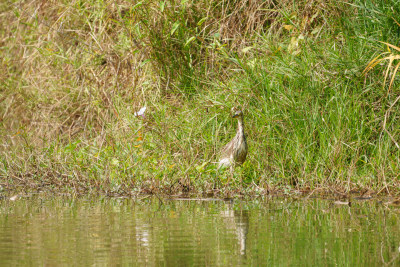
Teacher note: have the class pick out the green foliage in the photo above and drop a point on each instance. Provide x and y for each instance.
(74, 74)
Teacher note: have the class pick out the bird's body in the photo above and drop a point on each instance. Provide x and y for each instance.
(235, 152)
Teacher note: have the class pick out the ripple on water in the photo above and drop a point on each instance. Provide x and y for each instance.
(50, 231)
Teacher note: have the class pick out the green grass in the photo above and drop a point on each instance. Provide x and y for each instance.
(73, 74)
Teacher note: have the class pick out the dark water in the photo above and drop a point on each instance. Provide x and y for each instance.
(55, 231)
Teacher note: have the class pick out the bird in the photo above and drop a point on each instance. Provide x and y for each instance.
(235, 152)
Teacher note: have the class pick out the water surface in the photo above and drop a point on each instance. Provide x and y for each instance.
(275, 232)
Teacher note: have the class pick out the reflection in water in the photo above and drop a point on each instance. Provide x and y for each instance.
(54, 231)
(142, 236)
(237, 221)
(242, 223)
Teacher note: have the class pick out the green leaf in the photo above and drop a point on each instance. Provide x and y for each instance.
(144, 62)
(137, 5)
(201, 21)
(162, 5)
(175, 27)
(190, 40)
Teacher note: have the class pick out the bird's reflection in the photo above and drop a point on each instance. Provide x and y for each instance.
(238, 222)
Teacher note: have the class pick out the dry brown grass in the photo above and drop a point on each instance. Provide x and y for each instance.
(74, 73)
(71, 62)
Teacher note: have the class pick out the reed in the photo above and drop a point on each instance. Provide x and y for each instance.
(73, 74)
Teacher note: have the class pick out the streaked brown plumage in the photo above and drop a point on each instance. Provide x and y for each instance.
(235, 152)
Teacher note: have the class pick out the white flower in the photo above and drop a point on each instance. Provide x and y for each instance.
(140, 112)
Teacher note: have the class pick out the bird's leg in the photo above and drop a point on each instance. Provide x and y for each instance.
(231, 174)
(217, 179)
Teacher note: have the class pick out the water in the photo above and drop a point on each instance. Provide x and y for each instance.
(275, 232)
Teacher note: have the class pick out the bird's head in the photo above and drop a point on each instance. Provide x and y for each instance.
(237, 113)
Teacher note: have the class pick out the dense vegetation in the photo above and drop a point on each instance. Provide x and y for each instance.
(73, 74)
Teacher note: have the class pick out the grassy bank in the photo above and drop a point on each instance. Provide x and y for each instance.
(73, 74)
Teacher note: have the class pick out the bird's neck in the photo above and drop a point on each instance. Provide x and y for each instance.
(240, 126)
